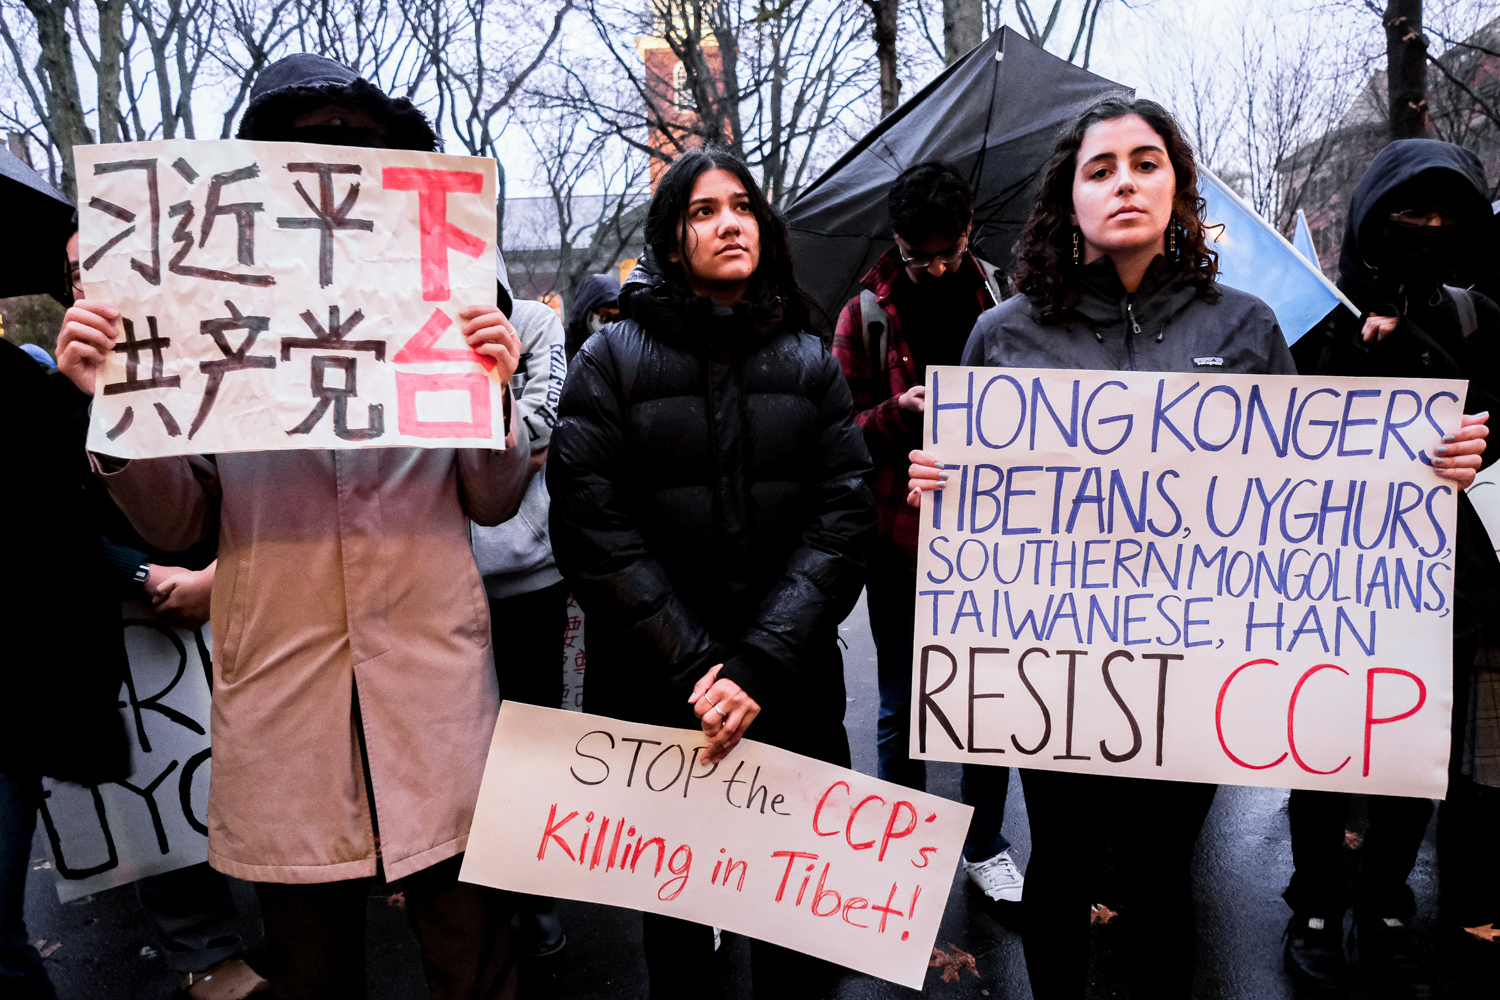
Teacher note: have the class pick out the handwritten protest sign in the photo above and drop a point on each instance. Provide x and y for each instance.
(766, 843)
(1220, 578)
(282, 295)
(154, 822)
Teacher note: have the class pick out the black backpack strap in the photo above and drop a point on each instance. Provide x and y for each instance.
(875, 329)
(993, 279)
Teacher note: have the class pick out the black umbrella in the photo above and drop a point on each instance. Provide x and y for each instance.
(34, 230)
(995, 114)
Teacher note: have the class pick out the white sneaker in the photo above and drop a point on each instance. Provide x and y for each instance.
(998, 878)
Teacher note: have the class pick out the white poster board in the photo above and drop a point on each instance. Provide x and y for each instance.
(1221, 578)
(284, 296)
(765, 843)
(155, 821)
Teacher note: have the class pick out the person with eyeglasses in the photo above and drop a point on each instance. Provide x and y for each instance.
(919, 303)
(1419, 233)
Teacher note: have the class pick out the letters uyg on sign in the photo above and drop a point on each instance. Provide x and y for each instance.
(767, 843)
(283, 296)
(1234, 579)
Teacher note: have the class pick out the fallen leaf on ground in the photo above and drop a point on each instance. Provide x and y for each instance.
(952, 965)
(1485, 933)
(45, 949)
(1352, 840)
(1101, 914)
(397, 899)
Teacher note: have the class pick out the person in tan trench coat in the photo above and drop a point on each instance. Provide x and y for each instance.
(352, 653)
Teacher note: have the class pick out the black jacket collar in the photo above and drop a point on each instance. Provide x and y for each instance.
(665, 308)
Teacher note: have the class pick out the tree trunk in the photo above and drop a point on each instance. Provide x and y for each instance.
(111, 44)
(963, 28)
(65, 121)
(1406, 69)
(885, 51)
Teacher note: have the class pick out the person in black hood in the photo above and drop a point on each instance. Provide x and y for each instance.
(309, 98)
(1114, 273)
(710, 510)
(596, 305)
(1418, 219)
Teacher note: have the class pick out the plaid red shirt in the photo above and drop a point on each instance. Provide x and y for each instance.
(890, 432)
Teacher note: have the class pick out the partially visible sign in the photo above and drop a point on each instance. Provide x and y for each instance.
(575, 658)
(766, 843)
(284, 296)
(155, 821)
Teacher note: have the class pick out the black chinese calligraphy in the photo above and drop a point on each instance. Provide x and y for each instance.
(151, 272)
(132, 348)
(326, 218)
(234, 359)
(244, 216)
(337, 396)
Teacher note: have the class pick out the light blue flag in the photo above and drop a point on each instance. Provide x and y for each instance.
(1303, 241)
(1255, 258)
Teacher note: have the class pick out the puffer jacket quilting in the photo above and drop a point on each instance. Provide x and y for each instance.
(709, 506)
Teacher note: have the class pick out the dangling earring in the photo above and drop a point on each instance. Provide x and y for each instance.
(1172, 242)
(1076, 254)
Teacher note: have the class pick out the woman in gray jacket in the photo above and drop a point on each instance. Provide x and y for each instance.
(1115, 273)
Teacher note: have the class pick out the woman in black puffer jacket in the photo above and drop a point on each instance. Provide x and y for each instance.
(709, 507)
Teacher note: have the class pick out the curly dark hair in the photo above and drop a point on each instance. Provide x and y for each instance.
(929, 199)
(667, 229)
(1045, 271)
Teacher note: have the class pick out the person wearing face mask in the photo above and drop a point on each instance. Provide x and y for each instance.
(354, 692)
(919, 304)
(710, 512)
(1419, 228)
(596, 305)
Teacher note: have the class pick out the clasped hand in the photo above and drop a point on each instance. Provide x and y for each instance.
(724, 710)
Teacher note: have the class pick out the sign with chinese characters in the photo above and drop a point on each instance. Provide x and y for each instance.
(767, 843)
(286, 296)
(575, 658)
(1234, 579)
(155, 821)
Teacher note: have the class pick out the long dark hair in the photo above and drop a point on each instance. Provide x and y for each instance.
(667, 230)
(1045, 272)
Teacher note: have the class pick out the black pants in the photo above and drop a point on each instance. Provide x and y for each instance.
(1392, 839)
(1387, 856)
(315, 936)
(680, 958)
(1075, 820)
(528, 632)
(1469, 872)
(527, 635)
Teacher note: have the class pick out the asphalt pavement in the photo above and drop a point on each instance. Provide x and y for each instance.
(99, 947)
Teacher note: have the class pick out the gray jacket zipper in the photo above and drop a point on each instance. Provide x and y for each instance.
(1132, 332)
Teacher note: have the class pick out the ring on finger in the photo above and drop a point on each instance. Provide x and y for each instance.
(710, 701)
(723, 714)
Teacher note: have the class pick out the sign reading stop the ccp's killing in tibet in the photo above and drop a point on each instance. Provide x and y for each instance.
(766, 842)
(283, 296)
(1221, 578)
